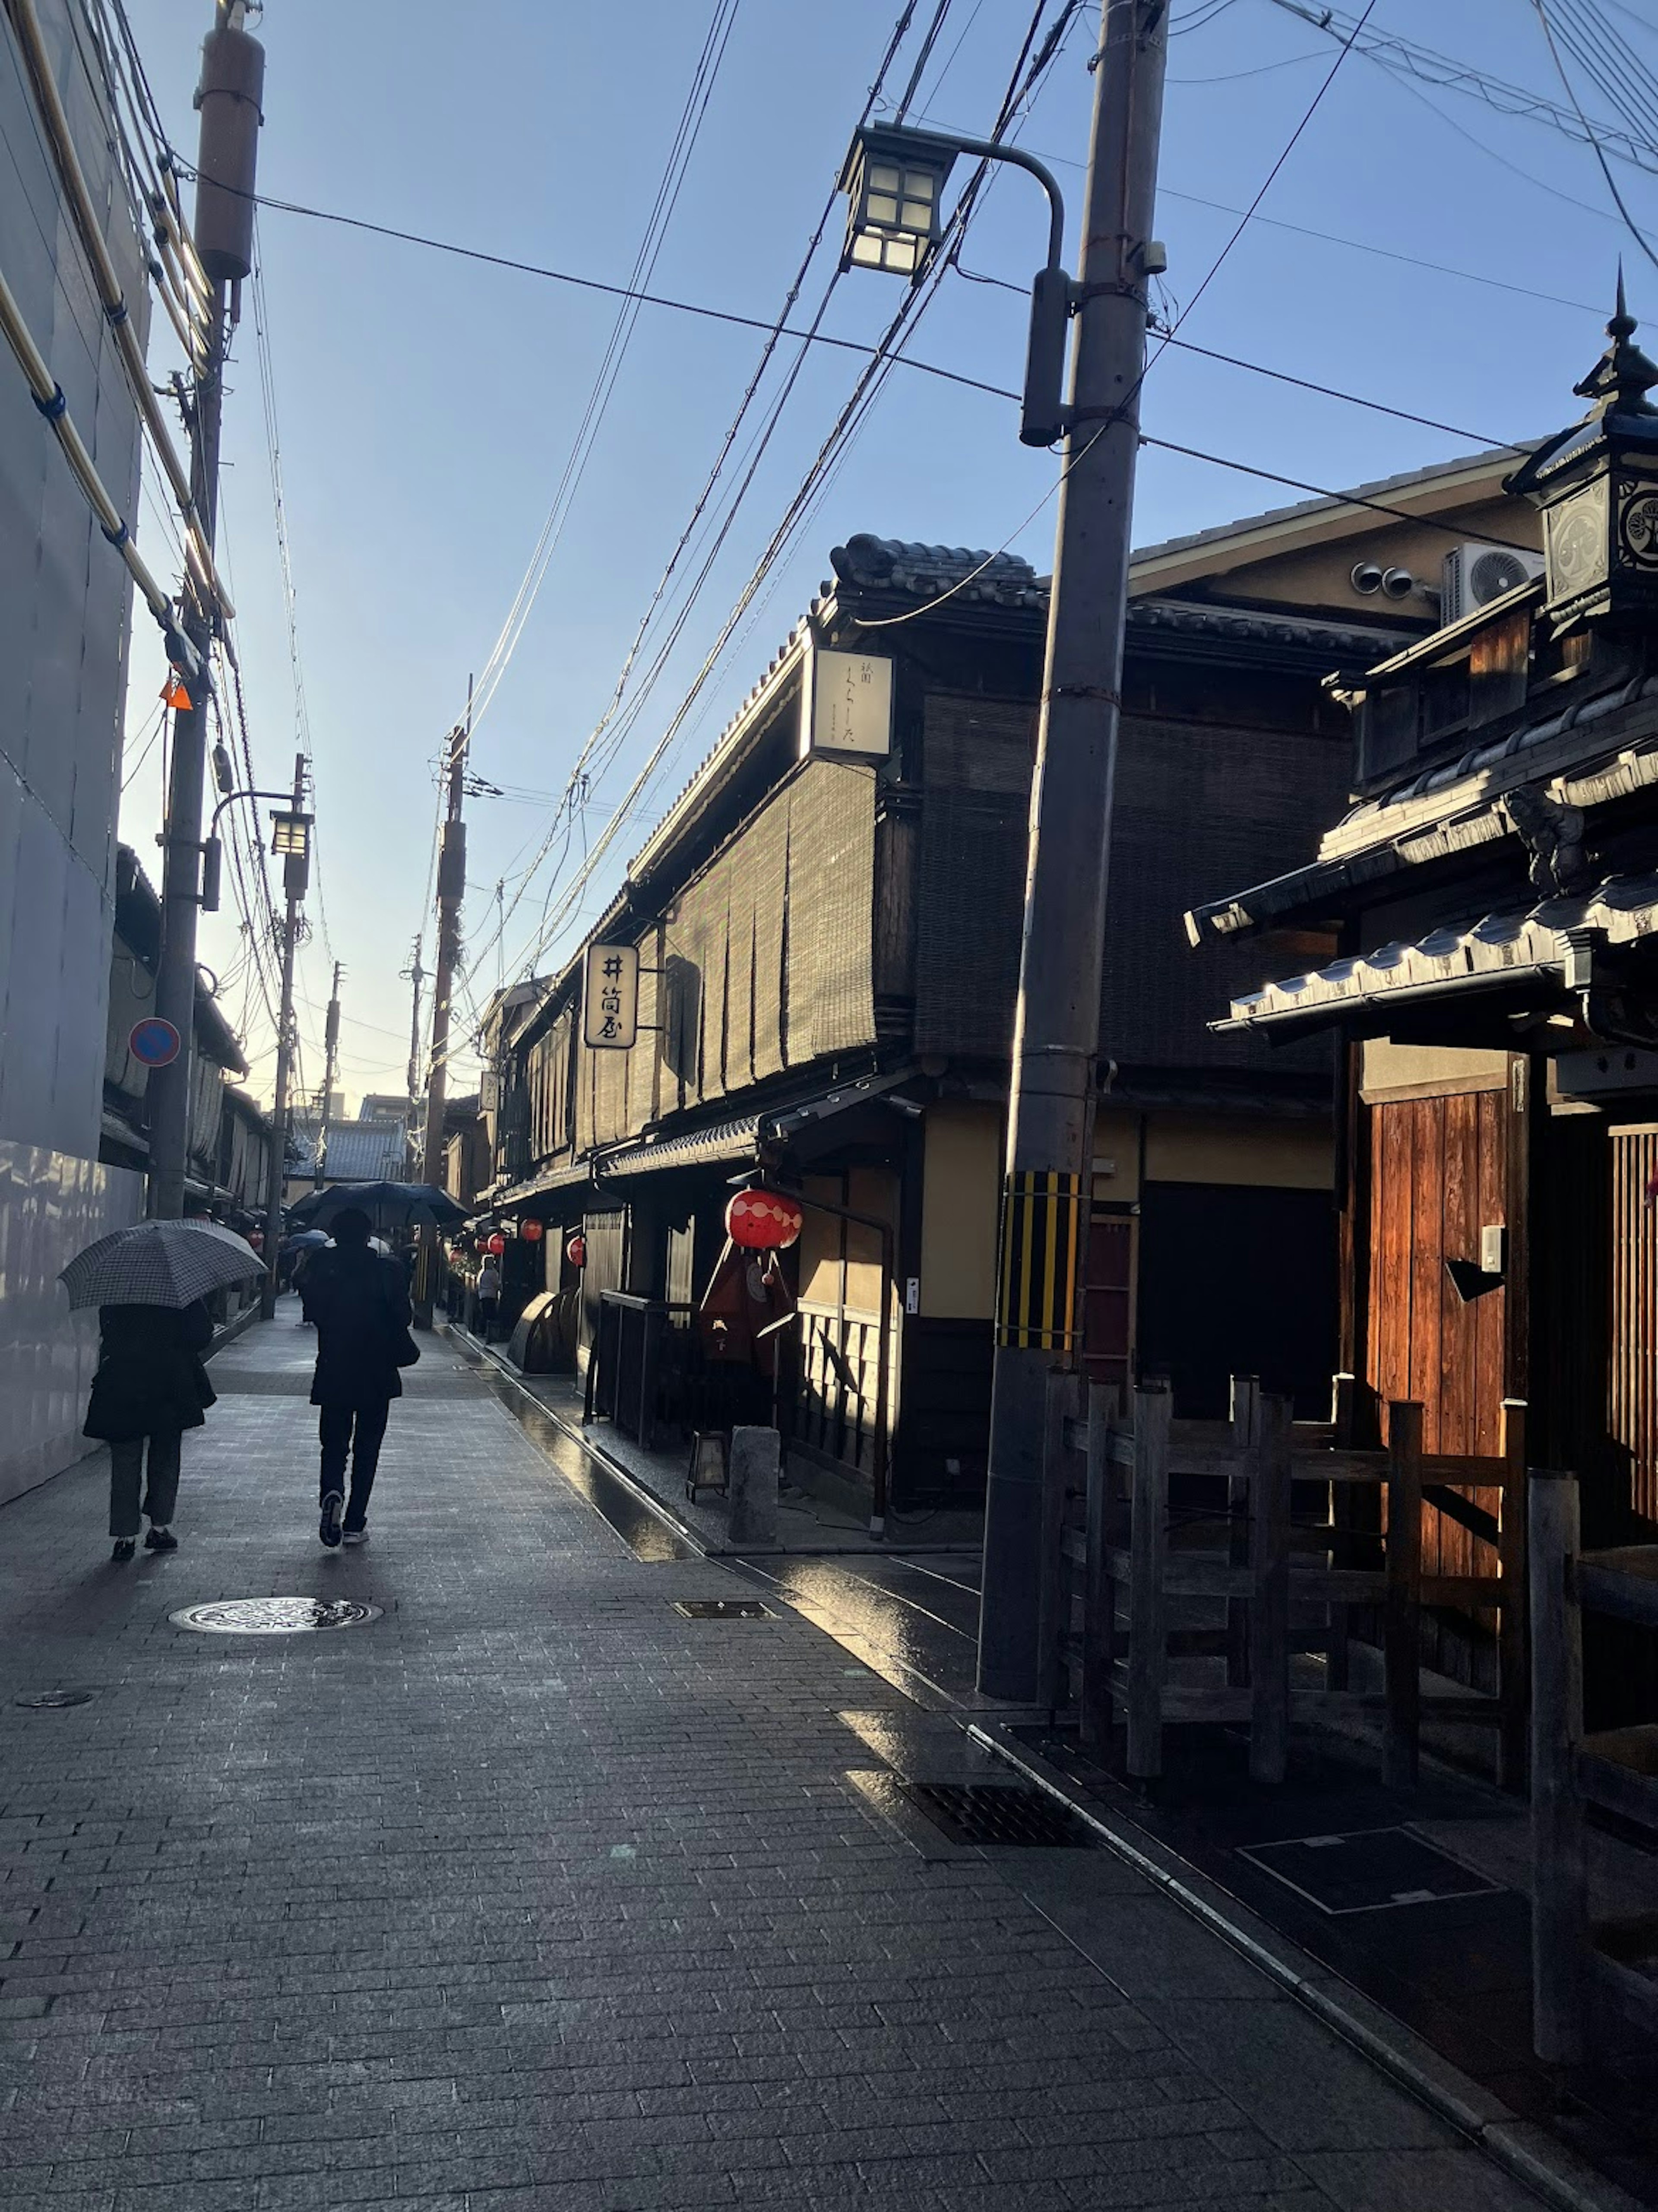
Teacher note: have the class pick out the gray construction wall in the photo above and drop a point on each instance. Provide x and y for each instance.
(64, 612)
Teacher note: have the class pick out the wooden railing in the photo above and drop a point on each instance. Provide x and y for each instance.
(1578, 1963)
(1276, 1583)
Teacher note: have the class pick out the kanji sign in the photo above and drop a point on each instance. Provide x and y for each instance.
(154, 1043)
(610, 1004)
(849, 705)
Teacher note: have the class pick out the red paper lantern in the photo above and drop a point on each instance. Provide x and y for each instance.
(762, 1220)
(576, 1250)
(496, 1245)
(531, 1231)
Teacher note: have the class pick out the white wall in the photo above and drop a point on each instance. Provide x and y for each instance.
(51, 1205)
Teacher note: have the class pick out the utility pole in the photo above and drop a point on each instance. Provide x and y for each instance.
(1056, 1042)
(295, 872)
(233, 79)
(414, 974)
(332, 1039)
(452, 888)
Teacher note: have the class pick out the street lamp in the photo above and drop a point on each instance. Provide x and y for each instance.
(893, 178)
(290, 835)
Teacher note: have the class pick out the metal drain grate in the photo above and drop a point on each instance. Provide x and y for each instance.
(723, 1609)
(1007, 1815)
(48, 1701)
(275, 1616)
(1373, 1870)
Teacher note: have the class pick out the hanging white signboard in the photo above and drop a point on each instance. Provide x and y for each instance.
(610, 1002)
(849, 704)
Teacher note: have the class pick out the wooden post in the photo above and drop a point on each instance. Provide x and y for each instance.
(1560, 1926)
(1054, 1596)
(1512, 1637)
(1269, 1605)
(1402, 1729)
(1095, 1719)
(1246, 1432)
(1148, 1625)
(1338, 1671)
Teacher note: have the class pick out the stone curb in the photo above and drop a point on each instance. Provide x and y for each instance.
(1528, 2152)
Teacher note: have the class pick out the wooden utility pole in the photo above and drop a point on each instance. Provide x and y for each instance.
(296, 873)
(1056, 1039)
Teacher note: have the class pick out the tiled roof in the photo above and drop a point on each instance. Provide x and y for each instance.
(1332, 502)
(919, 572)
(1519, 945)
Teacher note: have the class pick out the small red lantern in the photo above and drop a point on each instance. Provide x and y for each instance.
(496, 1245)
(531, 1231)
(762, 1220)
(576, 1250)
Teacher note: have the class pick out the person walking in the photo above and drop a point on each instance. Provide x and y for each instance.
(488, 1296)
(359, 1301)
(149, 1388)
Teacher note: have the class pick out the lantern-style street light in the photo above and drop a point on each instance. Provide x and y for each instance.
(893, 178)
(290, 835)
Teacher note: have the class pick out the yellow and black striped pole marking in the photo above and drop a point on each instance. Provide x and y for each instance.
(1036, 1279)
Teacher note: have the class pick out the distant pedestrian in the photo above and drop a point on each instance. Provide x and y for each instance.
(489, 1297)
(150, 1387)
(360, 1303)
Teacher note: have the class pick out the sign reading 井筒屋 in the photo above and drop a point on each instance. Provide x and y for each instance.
(849, 704)
(609, 1003)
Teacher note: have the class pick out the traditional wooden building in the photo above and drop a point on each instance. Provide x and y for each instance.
(1488, 916)
(828, 922)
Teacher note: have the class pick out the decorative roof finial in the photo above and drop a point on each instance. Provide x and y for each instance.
(1620, 380)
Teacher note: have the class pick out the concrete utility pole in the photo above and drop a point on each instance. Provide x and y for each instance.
(295, 872)
(414, 974)
(332, 1039)
(1056, 1044)
(451, 889)
(233, 79)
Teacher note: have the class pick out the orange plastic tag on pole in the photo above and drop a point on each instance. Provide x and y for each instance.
(174, 695)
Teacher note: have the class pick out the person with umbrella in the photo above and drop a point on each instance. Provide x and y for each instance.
(150, 1285)
(360, 1303)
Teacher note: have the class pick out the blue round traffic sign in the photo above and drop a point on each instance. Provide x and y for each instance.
(154, 1043)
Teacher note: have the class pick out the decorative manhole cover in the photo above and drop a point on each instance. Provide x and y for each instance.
(1002, 1814)
(275, 1616)
(1372, 1870)
(46, 1701)
(723, 1609)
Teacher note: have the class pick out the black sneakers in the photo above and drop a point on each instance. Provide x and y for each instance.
(124, 1548)
(333, 1506)
(161, 1540)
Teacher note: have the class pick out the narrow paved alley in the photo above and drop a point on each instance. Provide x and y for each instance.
(532, 1893)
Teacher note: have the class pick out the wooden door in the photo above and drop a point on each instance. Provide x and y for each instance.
(1107, 1298)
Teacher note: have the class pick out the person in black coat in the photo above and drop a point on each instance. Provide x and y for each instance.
(150, 1387)
(360, 1303)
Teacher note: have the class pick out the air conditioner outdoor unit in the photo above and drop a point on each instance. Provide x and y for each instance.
(1477, 575)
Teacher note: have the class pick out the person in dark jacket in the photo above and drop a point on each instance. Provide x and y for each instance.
(360, 1303)
(150, 1387)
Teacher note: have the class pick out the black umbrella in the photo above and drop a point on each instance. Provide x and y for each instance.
(388, 1205)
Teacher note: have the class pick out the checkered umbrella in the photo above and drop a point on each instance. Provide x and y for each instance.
(158, 1263)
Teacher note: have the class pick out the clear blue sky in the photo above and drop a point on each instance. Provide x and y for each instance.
(427, 405)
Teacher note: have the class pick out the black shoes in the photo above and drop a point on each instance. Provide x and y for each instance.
(161, 1540)
(124, 1548)
(333, 1506)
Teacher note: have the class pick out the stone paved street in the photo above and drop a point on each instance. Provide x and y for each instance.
(535, 1894)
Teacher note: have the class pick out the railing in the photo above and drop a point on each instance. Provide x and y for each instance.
(632, 1361)
(1576, 1962)
(1278, 1583)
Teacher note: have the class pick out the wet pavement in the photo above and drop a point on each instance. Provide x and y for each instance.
(527, 1893)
